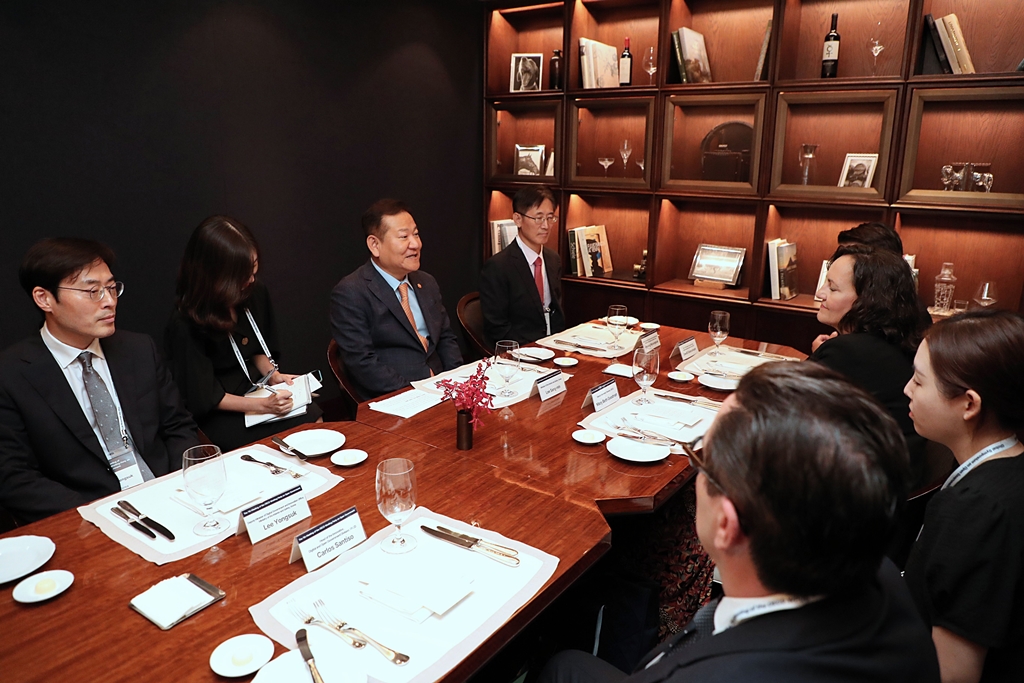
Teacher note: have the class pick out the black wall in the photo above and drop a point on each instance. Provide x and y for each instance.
(131, 122)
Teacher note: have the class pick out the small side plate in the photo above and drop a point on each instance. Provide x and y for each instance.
(647, 327)
(720, 383)
(565, 362)
(348, 457)
(241, 655)
(680, 376)
(588, 436)
(43, 586)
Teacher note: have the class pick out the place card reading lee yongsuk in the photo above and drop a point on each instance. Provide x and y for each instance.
(550, 385)
(274, 514)
(327, 540)
(685, 350)
(602, 396)
(649, 341)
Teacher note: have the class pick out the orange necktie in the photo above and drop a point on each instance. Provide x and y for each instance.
(403, 291)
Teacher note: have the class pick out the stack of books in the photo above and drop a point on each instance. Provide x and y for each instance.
(599, 64)
(947, 42)
(589, 254)
(782, 275)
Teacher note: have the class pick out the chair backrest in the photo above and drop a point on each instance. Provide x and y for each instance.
(472, 321)
(348, 391)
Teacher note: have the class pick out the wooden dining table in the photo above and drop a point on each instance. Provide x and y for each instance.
(530, 443)
(89, 633)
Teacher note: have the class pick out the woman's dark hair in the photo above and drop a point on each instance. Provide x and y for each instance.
(887, 304)
(215, 270)
(982, 350)
(818, 472)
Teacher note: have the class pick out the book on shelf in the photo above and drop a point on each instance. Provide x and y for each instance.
(599, 64)
(947, 46)
(677, 48)
(593, 254)
(934, 55)
(773, 265)
(760, 72)
(549, 166)
(573, 263)
(502, 234)
(822, 277)
(695, 56)
(789, 286)
(956, 38)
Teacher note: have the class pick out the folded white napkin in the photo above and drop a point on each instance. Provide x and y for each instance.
(621, 370)
(171, 600)
(416, 597)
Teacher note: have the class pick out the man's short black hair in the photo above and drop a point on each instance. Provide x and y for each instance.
(878, 235)
(529, 197)
(49, 261)
(817, 470)
(374, 216)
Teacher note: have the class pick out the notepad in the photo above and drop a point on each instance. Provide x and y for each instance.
(302, 395)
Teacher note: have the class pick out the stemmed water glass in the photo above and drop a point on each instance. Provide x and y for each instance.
(986, 295)
(875, 47)
(646, 365)
(625, 149)
(617, 324)
(718, 328)
(650, 64)
(396, 499)
(202, 469)
(507, 363)
(606, 162)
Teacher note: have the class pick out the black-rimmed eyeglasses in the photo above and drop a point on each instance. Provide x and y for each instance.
(698, 463)
(97, 293)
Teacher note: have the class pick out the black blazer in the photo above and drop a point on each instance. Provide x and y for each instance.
(379, 347)
(509, 299)
(50, 459)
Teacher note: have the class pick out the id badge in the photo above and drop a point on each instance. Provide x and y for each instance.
(126, 467)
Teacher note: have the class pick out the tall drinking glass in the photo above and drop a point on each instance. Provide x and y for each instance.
(646, 365)
(396, 499)
(507, 364)
(202, 468)
(625, 149)
(650, 64)
(718, 328)
(617, 320)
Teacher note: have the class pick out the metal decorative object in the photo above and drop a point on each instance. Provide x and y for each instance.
(640, 269)
(972, 177)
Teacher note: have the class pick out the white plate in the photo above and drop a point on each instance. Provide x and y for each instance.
(566, 362)
(680, 376)
(348, 457)
(634, 451)
(43, 586)
(650, 326)
(334, 660)
(588, 436)
(534, 353)
(720, 383)
(630, 320)
(241, 655)
(21, 555)
(314, 442)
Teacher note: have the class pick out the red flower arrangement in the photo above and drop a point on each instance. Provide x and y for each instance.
(470, 395)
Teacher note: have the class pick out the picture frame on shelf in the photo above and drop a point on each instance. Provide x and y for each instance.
(858, 170)
(526, 72)
(716, 263)
(529, 159)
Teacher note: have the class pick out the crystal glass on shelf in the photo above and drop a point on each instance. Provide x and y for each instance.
(202, 470)
(808, 160)
(945, 283)
(875, 47)
(625, 149)
(646, 365)
(617, 321)
(606, 162)
(718, 328)
(396, 499)
(986, 295)
(507, 363)
(650, 64)
(640, 163)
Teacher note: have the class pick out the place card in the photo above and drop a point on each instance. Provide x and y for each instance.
(550, 385)
(273, 515)
(602, 396)
(649, 341)
(684, 350)
(327, 540)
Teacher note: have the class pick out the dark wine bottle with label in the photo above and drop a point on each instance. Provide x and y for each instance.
(830, 53)
(626, 66)
(556, 70)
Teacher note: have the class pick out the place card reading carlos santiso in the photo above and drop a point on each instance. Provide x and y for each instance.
(327, 540)
(274, 514)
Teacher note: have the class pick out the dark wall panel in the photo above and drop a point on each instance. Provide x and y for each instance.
(131, 122)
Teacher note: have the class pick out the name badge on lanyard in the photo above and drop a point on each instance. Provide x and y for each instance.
(123, 460)
(261, 384)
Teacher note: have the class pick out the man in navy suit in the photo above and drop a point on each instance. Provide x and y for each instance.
(521, 286)
(85, 411)
(799, 484)
(387, 316)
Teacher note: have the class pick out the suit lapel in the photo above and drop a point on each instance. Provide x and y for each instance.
(379, 287)
(122, 371)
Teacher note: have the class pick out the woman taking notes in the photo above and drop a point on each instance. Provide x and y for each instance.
(966, 571)
(221, 339)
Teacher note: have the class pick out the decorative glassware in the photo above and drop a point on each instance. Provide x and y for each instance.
(718, 328)
(640, 162)
(202, 469)
(875, 47)
(808, 161)
(507, 361)
(606, 162)
(396, 499)
(646, 365)
(617, 321)
(987, 294)
(650, 64)
(945, 283)
(625, 149)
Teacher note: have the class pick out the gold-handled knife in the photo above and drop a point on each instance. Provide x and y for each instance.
(500, 548)
(307, 655)
(496, 555)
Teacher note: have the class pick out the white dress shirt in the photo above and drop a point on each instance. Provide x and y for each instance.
(733, 611)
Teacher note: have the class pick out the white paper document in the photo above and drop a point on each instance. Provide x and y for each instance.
(407, 403)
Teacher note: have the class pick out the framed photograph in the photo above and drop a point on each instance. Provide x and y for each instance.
(526, 72)
(529, 159)
(858, 170)
(717, 264)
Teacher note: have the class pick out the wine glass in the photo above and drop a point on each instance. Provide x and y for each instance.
(986, 294)
(650, 65)
(507, 363)
(640, 162)
(617, 324)
(625, 149)
(646, 365)
(202, 468)
(396, 499)
(606, 162)
(718, 328)
(875, 47)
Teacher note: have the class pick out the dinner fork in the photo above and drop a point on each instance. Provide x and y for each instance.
(393, 656)
(307, 618)
(274, 469)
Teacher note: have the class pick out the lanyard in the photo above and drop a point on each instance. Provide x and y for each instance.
(978, 458)
(259, 337)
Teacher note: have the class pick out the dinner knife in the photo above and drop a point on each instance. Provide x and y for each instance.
(307, 655)
(500, 548)
(497, 555)
(139, 526)
(578, 346)
(148, 521)
(762, 354)
(288, 449)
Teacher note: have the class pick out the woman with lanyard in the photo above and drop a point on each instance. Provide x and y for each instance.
(966, 570)
(221, 338)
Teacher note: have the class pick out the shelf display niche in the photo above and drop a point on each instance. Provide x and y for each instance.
(611, 22)
(626, 220)
(533, 122)
(530, 29)
(992, 30)
(733, 33)
(600, 127)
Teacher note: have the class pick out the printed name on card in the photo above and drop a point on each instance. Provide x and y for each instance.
(273, 515)
(602, 396)
(685, 350)
(550, 385)
(327, 540)
(649, 341)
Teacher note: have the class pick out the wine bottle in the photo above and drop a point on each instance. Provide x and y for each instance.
(556, 70)
(830, 53)
(626, 66)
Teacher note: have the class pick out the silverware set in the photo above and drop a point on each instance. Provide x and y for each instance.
(698, 401)
(290, 450)
(274, 469)
(351, 635)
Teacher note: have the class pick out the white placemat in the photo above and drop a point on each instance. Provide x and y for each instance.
(730, 361)
(407, 403)
(522, 382)
(591, 334)
(677, 420)
(247, 483)
(435, 645)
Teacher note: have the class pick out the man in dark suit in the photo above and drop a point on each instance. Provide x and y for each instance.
(387, 316)
(799, 483)
(521, 286)
(84, 411)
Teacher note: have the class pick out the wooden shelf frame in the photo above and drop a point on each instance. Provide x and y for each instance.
(596, 113)
(541, 124)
